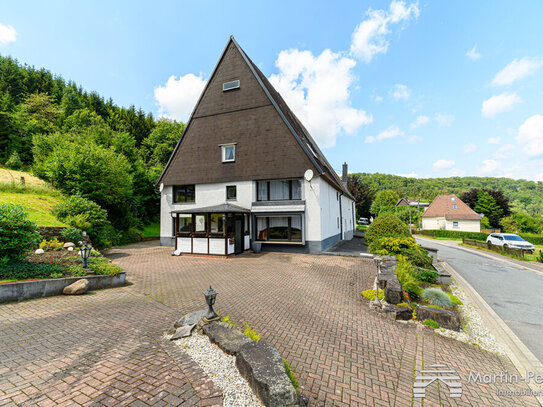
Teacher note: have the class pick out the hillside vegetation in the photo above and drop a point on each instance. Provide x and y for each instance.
(523, 195)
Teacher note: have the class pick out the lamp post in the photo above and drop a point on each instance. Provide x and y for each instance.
(85, 253)
(377, 261)
(210, 295)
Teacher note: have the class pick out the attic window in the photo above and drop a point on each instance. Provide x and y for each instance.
(453, 198)
(455, 207)
(230, 85)
(228, 152)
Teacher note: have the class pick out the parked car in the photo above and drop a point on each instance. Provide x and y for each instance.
(363, 221)
(510, 240)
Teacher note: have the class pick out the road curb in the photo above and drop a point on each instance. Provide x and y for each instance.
(523, 359)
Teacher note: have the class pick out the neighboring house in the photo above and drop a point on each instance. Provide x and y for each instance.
(448, 212)
(411, 202)
(247, 174)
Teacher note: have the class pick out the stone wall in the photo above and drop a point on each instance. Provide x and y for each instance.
(51, 232)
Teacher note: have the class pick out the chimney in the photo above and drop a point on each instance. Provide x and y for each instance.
(344, 174)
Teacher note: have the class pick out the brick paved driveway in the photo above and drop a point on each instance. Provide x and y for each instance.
(106, 347)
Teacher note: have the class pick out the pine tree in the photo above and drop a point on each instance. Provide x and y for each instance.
(487, 205)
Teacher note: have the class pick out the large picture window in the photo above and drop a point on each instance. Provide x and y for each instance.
(279, 228)
(183, 193)
(185, 223)
(217, 223)
(282, 190)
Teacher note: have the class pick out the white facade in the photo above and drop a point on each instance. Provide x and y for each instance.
(326, 214)
(463, 225)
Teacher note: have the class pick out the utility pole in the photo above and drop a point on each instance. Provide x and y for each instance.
(418, 208)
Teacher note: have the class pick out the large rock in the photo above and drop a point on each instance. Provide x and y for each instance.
(397, 313)
(190, 319)
(68, 244)
(382, 279)
(39, 251)
(262, 366)
(228, 338)
(393, 291)
(445, 319)
(77, 288)
(182, 332)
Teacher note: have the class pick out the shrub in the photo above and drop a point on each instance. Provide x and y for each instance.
(454, 299)
(77, 271)
(18, 234)
(71, 234)
(251, 333)
(56, 275)
(406, 246)
(14, 162)
(427, 276)
(436, 296)
(226, 319)
(101, 265)
(386, 224)
(370, 294)
(291, 375)
(52, 244)
(407, 276)
(455, 234)
(25, 270)
(431, 323)
(419, 257)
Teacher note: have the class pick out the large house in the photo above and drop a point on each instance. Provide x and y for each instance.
(247, 174)
(448, 212)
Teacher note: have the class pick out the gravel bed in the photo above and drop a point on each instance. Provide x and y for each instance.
(473, 328)
(221, 368)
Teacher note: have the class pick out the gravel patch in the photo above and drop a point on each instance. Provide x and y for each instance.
(473, 329)
(221, 368)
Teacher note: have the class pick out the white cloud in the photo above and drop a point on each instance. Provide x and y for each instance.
(412, 174)
(503, 152)
(400, 92)
(489, 167)
(377, 98)
(515, 70)
(530, 135)
(178, 97)
(499, 104)
(318, 90)
(7, 34)
(370, 36)
(391, 132)
(414, 139)
(444, 120)
(494, 140)
(420, 121)
(473, 54)
(441, 165)
(469, 148)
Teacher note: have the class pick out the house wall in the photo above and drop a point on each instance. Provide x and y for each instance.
(433, 223)
(436, 223)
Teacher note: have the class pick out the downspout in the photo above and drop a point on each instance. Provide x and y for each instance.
(340, 216)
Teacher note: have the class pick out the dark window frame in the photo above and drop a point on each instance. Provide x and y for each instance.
(235, 193)
(289, 230)
(290, 190)
(185, 190)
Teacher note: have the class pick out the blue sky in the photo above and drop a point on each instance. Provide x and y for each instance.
(421, 88)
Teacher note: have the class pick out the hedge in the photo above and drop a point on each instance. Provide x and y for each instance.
(479, 236)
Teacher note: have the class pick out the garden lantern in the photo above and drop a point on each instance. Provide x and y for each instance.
(210, 295)
(85, 253)
(377, 261)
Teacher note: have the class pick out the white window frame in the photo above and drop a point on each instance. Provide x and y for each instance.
(456, 224)
(223, 152)
(231, 85)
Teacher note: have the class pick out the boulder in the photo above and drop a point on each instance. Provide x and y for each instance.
(77, 288)
(262, 366)
(182, 332)
(39, 251)
(190, 319)
(393, 291)
(70, 249)
(398, 313)
(445, 319)
(68, 244)
(228, 338)
(382, 279)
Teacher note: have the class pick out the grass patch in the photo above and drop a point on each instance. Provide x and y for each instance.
(251, 333)
(370, 294)
(12, 176)
(291, 375)
(431, 323)
(527, 256)
(151, 230)
(38, 206)
(226, 319)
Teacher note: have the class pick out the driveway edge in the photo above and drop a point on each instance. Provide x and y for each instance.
(523, 359)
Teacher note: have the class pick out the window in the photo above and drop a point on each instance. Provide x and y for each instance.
(455, 207)
(185, 223)
(279, 228)
(231, 192)
(199, 223)
(217, 223)
(455, 224)
(279, 190)
(228, 153)
(183, 193)
(230, 85)
(453, 198)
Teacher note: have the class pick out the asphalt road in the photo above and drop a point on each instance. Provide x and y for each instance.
(514, 293)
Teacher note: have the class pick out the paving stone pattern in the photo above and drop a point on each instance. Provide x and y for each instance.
(107, 347)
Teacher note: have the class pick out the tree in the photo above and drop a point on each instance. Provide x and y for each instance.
(522, 222)
(385, 200)
(487, 205)
(362, 193)
(17, 234)
(70, 101)
(14, 161)
(471, 197)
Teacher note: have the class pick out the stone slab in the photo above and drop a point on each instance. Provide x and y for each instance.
(191, 318)
(445, 319)
(228, 338)
(183, 332)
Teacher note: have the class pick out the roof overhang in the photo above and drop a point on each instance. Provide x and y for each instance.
(224, 208)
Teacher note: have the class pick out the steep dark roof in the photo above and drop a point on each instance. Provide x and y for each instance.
(296, 128)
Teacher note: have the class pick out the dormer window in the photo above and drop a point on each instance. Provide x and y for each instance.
(453, 198)
(455, 207)
(230, 85)
(228, 152)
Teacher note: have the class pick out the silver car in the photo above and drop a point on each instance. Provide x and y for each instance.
(510, 240)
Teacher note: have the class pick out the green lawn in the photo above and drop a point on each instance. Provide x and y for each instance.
(37, 206)
(151, 230)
